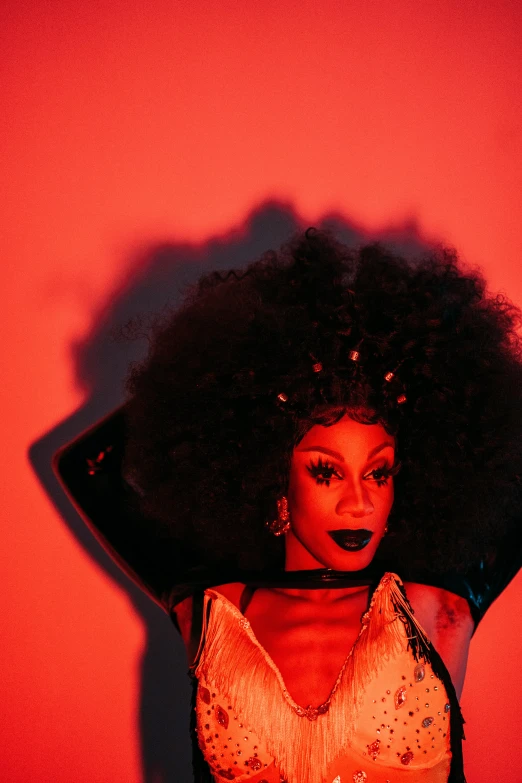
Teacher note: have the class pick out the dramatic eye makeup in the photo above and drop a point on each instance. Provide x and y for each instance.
(383, 473)
(323, 471)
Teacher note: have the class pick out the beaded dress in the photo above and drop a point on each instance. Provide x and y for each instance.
(387, 718)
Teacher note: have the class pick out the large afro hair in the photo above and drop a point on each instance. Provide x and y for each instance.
(254, 358)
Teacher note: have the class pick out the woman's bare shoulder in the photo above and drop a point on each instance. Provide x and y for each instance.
(446, 619)
(232, 591)
(189, 626)
(438, 610)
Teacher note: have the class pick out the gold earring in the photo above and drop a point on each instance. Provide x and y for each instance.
(281, 524)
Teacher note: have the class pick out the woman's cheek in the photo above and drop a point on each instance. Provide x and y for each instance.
(301, 490)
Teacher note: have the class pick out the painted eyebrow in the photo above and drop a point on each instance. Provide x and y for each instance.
(340, 458)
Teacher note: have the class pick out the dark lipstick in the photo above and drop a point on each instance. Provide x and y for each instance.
(351, 540)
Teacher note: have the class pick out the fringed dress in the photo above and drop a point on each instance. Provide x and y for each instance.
(392, 714)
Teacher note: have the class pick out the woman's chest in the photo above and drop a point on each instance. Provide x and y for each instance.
(385, 699)
(309, 641)
(309, 645)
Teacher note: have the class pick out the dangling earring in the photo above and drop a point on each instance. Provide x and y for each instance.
(281, 524)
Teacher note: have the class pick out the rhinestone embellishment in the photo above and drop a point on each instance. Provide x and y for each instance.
(374, 749)
(205, 694)
(426, 723)
(419, 672)
(406, 758)
(222, 717)
(359, 777)
(254, 764)
(446, 708)
(400, 697)
(312, 713)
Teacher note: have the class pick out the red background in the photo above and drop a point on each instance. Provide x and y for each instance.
(127, 127)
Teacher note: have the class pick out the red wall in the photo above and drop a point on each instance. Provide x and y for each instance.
(124, 125)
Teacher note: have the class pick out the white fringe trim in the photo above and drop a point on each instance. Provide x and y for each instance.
(239, 669)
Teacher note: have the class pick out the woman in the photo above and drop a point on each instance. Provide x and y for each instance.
(317, 474)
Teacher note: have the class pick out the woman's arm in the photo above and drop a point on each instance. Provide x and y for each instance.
(90, 471)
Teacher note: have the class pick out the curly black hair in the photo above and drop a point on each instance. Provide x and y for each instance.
(253, 359)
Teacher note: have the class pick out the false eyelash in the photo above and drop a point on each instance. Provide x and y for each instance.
(395, 468)
(319, 468)
(385, 473)
(381, 476)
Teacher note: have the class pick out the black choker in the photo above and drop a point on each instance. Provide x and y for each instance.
(314, 578)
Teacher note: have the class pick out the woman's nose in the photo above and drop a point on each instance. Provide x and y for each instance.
(355, 502)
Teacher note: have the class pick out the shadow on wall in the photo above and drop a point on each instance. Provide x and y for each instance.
(156, 279)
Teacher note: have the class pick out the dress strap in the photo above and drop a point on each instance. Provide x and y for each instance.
(246, 597)
(201, 605)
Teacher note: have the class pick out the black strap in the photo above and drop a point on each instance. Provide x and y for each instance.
(198, 627)
(246, 597)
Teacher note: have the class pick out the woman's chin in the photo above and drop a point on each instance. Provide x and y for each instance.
(351, 561)
(301, 557)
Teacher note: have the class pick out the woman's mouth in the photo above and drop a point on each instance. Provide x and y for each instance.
(351, 540)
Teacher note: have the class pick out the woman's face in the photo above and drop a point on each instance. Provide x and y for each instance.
(340, 495)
